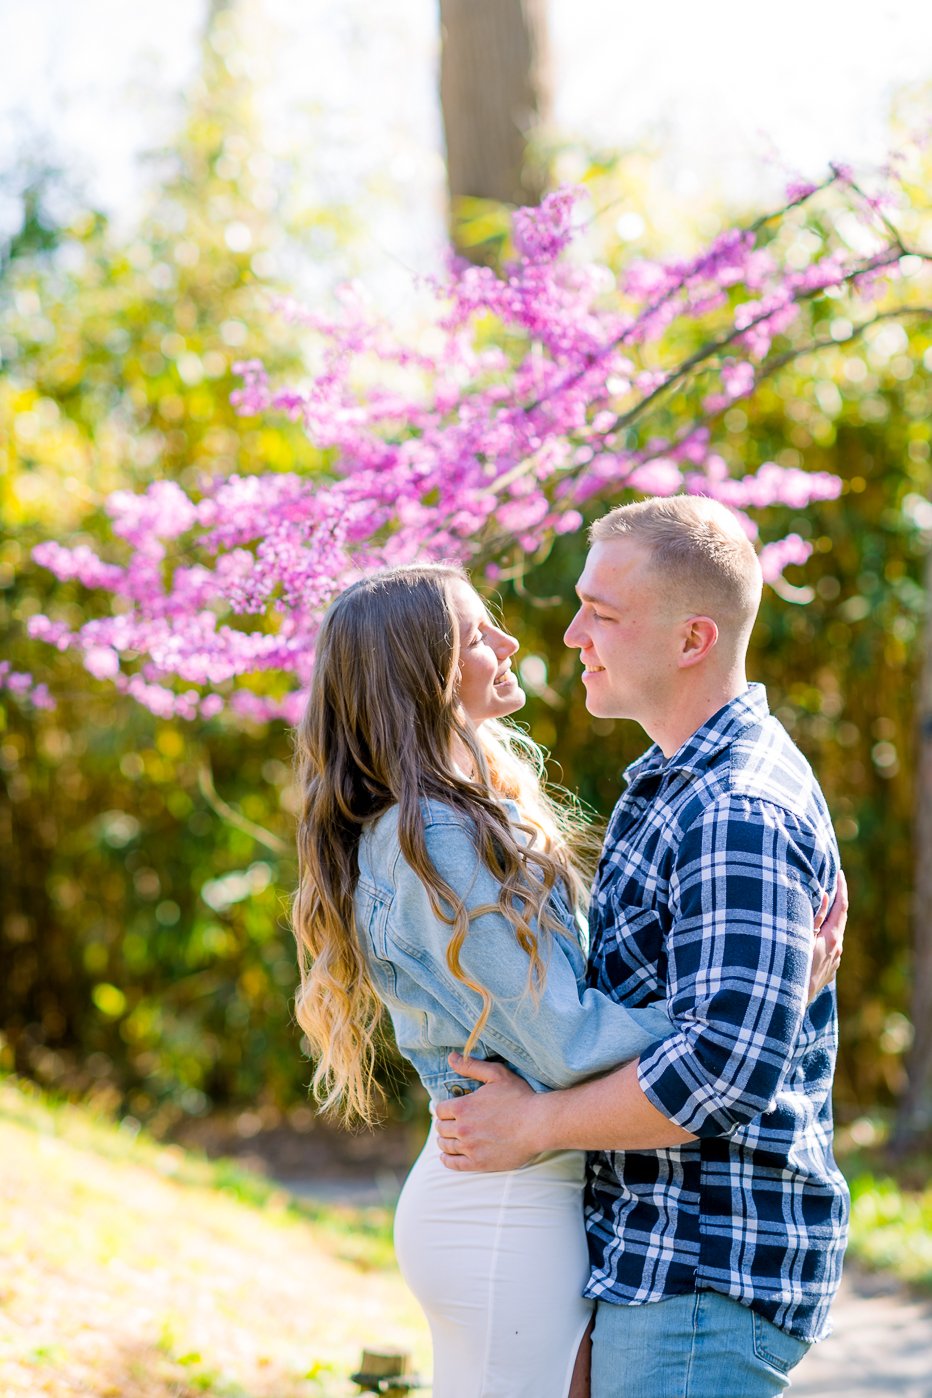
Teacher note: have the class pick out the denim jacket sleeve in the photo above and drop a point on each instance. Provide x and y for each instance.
(566, 1033)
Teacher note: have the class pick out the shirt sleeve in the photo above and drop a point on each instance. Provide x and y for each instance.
(558, 1036)
(743, 895)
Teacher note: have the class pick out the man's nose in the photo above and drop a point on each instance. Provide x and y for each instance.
(574, 635)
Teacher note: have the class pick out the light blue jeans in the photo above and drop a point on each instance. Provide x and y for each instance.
(703, 1345)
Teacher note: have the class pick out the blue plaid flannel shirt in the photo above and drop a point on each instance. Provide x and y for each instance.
(713, 866)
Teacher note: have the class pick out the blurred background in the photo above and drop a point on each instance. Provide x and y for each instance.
(160, 175)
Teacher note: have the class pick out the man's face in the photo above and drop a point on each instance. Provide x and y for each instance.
(627, 639)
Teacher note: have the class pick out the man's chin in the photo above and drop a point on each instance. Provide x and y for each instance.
(600, 706)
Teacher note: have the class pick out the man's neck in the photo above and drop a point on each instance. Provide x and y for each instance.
(693, 710)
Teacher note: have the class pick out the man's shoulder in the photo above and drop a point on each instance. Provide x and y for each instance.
(764, 763)
(760, 769)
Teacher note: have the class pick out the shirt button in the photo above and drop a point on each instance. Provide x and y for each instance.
(458, 1090)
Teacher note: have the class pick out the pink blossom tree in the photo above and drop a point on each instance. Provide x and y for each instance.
(530, 397)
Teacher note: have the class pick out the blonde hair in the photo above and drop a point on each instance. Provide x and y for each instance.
(377, 732)
(699, 552)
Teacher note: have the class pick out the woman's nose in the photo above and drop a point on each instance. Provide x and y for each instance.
(500, 641)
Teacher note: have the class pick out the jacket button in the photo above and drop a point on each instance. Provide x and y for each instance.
(458, 1090)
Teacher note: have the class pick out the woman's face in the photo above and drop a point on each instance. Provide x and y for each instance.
(488, 687)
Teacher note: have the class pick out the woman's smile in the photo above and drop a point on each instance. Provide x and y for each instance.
(488, 686)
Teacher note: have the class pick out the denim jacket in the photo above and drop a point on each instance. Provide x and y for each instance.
(566, 1034)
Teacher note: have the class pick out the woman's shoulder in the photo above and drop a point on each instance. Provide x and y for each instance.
(450, 833)
(434, 811)
(380, 835)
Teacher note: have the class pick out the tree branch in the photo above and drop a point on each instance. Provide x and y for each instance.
(271, 841)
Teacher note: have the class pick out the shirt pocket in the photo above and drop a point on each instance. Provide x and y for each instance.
(632, 956)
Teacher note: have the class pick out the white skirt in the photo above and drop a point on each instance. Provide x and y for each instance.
(498, 1263)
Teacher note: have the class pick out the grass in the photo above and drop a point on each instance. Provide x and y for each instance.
(135, 1270)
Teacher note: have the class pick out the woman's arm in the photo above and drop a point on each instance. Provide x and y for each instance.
(559, 1036)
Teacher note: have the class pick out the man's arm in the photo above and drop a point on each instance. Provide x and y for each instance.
(507, 1123)
(739, 963)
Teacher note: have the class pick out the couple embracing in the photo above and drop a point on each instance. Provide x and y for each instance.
(628, 1187)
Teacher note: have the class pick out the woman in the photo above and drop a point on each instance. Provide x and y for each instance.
(439, 881)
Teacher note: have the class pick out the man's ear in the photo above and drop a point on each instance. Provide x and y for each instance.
(699, 636)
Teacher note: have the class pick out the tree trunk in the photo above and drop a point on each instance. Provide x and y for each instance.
(914, 1119)
(494, 94)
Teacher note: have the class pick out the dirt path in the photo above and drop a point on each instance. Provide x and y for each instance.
(881, 1347)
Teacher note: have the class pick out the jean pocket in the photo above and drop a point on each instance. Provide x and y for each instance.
(775, 1347)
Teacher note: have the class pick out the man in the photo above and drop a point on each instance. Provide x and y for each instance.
(715, 1213)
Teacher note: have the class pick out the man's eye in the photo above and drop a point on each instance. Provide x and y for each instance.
(600, 617)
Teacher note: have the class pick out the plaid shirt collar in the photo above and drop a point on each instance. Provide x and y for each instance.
(700, 747)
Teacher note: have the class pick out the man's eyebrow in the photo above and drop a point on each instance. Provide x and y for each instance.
(596, 601)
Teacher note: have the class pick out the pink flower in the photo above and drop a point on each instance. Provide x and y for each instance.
(526, 397)
(738, 377)
(782, 554)
(797, 190)
(659, 477)
(541, 234)
(102, 662)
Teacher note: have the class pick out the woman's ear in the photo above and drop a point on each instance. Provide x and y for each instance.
(700, 634)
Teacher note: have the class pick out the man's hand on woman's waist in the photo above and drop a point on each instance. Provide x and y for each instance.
(505, 1123)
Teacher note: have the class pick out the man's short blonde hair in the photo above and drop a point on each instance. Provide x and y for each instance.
(699, 552)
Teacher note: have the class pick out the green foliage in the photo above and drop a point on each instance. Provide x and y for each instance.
(361, 1236)
(144, 938)
(891, 1228)
(891, 1202)
(163, 1275)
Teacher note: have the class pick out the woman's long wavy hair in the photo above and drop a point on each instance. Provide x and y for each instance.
(379, 731)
